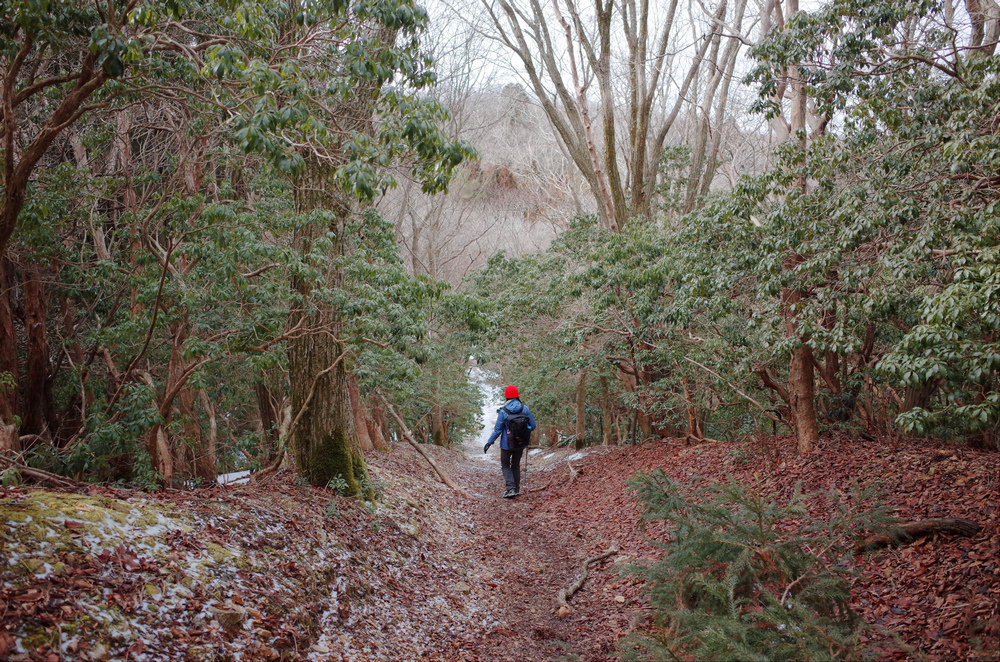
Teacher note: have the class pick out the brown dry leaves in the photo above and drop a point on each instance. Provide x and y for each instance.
(436, 576)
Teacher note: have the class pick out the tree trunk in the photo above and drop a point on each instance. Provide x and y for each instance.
(801, 378)
(267, 409)
(439, 435)
(9, 364)
(694, 427)
(37, 395)
(801, 387)
(190, 441)
(360, 415)
(581, 407)
(325, 439)
(606, 413)
(157, 444)
(631, 383)
(918, 396)
(206, 463)
(700, 142)
(75, 412)
(376, 424)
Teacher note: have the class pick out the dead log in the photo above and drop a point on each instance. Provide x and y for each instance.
(409, 438)
(43, 476)
(566, 593)
(908, 532)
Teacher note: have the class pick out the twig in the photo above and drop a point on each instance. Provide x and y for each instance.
(539, 489)
(733, 386)
(566, 593)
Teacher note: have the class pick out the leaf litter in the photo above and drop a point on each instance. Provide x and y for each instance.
(275, 570)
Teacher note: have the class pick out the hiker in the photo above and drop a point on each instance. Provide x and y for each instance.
(514, 426)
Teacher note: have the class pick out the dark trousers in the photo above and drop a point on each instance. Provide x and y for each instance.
(511, 463)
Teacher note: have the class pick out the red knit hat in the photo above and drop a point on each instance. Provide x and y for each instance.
(510, 392)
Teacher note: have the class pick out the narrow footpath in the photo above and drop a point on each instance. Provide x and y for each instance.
(529, 547)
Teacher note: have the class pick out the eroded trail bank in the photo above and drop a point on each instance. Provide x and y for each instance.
(276, 570)
(279, 570)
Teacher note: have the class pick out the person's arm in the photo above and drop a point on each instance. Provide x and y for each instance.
(497, 430)
(531, 419)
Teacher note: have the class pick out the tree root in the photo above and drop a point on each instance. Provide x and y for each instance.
(908, 532)
(566, 593)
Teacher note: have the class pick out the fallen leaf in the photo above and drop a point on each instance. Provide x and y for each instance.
(30, 596)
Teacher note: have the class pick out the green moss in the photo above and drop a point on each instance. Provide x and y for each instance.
(218, 553)
(35, 637)
(195, 653)
(13, 516)
(334, 456)
(243, 563)
(35, 566)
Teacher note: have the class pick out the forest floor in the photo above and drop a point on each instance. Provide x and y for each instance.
(277, 570)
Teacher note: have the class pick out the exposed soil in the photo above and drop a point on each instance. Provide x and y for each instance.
(431, 575)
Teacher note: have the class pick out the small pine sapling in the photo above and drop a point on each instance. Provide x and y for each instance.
(748, 576)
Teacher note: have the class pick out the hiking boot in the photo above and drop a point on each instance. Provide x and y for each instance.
(509, 493)
(517, 492)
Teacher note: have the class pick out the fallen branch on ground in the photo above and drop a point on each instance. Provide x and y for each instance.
(43, 476)
(413, 442)
(908, 532)
(566, 593)
(699, 440)
(539, 489)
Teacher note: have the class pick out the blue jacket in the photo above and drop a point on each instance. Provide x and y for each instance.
(500, 429)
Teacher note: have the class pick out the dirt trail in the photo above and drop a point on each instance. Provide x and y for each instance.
(527, 552)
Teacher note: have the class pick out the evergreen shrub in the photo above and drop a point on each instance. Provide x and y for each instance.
(745, 576)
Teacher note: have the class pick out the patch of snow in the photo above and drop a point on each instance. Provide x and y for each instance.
(236, 478)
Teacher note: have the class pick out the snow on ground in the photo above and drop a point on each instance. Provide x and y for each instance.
(236, 478)
(266, 571)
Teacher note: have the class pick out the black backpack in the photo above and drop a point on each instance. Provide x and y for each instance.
(518, 430)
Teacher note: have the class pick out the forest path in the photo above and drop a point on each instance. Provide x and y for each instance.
(526, 551)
